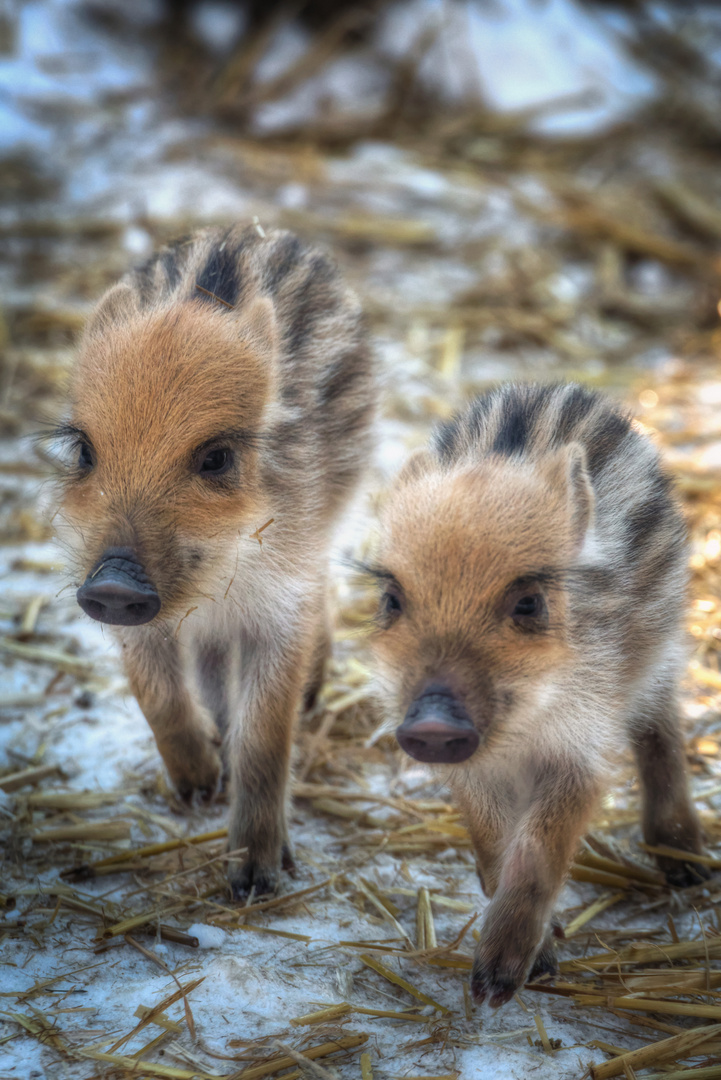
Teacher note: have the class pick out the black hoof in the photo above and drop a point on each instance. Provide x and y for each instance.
(185, 793)
(251, 877)
(544, 964)
(195, 796)
(681, 875)
(497, 991)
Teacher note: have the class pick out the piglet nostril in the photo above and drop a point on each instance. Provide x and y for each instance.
(119, 593)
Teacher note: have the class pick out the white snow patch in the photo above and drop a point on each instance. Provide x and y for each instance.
(209, 937)
(218, 23)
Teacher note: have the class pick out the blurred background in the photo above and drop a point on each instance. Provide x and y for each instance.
(514, 186)
(523, 189)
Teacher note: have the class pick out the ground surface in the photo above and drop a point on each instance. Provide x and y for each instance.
(480, 254)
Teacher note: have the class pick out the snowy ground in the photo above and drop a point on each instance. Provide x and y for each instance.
(118, 161)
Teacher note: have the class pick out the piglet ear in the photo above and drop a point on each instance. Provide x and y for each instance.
(580, 493)
(569, 470)
(259, 328)
(418, 464)
(119, 304)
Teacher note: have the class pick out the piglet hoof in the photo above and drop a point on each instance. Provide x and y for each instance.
(194, 769)
(684, 836)
(681, 875)
(683, 833)
(497, 990)
(287, 861)
(193, 795)
(546, 962)
(252, 877)
(497, 975)
(505, 955)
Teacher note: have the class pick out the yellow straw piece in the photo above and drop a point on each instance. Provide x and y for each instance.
(391, 976)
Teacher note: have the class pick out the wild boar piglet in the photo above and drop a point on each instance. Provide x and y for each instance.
(532, 569)
(226, 383)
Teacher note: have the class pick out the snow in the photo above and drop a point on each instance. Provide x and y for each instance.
(209, 937)
(514, 55)
(531, 54)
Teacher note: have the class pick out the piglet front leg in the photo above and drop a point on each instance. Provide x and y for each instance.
(259, 751)
(517, 928)
(187, 737)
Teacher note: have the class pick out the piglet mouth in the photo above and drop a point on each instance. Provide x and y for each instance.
(118, 591)
(437, 729)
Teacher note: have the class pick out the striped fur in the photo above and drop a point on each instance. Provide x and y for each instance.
(251, 344)
(548, 492)
(325, 368)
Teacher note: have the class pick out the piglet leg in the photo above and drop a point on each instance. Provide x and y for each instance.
(669, 817)
(532, 872)
(184, 730)
(259, 751)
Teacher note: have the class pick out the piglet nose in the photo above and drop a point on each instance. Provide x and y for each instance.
(119, 593)
(438, 729)
(437, 741)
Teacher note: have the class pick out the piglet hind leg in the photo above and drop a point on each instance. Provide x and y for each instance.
(186, 735)
(669, 818)
(259, 750)
(518, 931)
(321, 655)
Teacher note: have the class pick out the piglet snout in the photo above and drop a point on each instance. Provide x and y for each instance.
(438, 729)
(119, 591)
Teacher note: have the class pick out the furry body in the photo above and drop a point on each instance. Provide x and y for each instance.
(533, 562)
(226, 383)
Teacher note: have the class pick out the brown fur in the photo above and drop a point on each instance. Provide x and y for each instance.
(250, 345)
(544, 492)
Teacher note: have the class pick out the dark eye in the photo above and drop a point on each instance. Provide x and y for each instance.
(216, 462)
(391, 603)
(529, 612)
(85, 456)
(390, 608)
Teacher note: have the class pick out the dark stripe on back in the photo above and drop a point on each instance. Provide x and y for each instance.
(577, 404)
(144, 280)
(512, 414)
(221, 274)
(517, 417)
(653, 513)
(284, 257)
(468, 427)
(313, 299)
(170, 260)
(603, 441)
(445, 440)
(341, 376)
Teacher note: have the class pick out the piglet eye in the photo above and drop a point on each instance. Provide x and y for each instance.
(390, 609)
(527, 606)
(85, 456)
(391, 604)
(216, 462)
(530, 613)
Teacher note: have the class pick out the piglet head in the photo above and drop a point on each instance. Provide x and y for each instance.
(168, 415)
